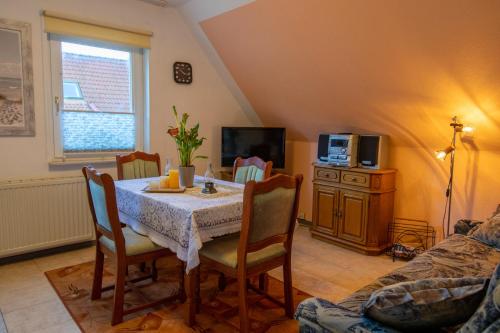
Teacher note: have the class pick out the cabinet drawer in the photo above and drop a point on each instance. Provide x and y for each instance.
(327, 174)
(354, 178)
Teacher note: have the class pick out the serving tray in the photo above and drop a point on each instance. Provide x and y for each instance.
(164, 190)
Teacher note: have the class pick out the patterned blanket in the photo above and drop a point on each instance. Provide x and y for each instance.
(457, 256)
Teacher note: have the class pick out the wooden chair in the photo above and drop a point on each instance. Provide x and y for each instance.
(252, 168)
(265, 242)
(120, 243)
(138, 165)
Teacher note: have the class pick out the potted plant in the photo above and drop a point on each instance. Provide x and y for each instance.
(187, 142)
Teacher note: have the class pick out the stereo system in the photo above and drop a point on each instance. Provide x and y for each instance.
(353, 150)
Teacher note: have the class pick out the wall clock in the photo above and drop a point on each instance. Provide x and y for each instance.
(183, 72)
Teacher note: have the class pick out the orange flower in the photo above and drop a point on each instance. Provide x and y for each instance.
(173, 131)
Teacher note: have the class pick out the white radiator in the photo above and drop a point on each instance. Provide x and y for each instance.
(37, 214)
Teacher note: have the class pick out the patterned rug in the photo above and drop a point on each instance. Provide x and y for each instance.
(218, 310)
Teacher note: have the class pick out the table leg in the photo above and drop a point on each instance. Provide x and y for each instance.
(192, 298)
(182, 286)
(197, 299)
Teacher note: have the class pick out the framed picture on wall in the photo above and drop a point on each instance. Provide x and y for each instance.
(17, 116)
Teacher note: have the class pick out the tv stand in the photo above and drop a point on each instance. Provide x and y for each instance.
(352, 207)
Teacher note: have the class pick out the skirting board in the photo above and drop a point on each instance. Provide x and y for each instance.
(304, 222)
(45, 252)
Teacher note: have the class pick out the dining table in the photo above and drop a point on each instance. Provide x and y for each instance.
(181, 221)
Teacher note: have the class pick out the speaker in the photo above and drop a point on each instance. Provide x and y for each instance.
(323, 143)
(373, 151)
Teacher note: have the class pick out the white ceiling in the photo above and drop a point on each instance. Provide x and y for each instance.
(195, 11)
(176, 3)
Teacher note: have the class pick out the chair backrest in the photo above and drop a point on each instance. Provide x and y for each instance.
(138, 165)
(102, 202)
(252, 168)
(269, 213)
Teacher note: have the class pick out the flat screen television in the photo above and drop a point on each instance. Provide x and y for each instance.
(268, 143)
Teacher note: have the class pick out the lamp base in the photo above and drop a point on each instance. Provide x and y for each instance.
(209, 188)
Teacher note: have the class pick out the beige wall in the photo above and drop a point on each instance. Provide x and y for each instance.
(401, 68)
(207, 99)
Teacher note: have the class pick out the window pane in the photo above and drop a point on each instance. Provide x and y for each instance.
(97, 112)
(96, 131)
(72, 90)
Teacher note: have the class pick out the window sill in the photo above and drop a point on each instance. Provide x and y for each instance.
(81, 161)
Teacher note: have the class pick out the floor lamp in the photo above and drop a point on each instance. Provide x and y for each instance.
(441, 155)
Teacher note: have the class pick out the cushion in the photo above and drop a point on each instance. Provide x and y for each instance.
(134, 243)
(248, 173)
(272, 212)
(99, 201)
(140, 169)
(225, 251)
(489, 310)
(466, 226)
(426, 304)
(489, 232)
(319, 315)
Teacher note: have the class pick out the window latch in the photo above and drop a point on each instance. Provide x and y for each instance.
(57, 101)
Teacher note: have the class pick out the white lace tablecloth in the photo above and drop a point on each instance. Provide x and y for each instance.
(180, 221)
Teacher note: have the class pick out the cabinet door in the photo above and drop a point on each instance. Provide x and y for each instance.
(325, 209)
(353, 216)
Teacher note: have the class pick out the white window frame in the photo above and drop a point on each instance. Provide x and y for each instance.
(139, 77)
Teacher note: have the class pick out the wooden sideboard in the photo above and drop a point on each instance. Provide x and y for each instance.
(353, 207)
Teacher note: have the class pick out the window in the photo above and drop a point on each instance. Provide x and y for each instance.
(102, 106)
(71, 90)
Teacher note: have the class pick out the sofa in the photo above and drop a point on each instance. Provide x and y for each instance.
(455, 257)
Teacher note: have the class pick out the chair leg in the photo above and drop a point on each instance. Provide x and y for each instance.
(263, 282)
(142, 267)
(98, 271)
(119, 292)
(242, 305)
(222, 283)
(154, 270)
(287, 283)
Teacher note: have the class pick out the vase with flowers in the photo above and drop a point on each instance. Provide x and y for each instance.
(187, 141)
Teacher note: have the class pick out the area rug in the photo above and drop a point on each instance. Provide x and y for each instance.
(218, 311)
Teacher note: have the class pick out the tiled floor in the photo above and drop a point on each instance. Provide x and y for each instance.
(29, 304)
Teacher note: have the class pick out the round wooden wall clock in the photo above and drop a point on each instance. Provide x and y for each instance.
(183, 72)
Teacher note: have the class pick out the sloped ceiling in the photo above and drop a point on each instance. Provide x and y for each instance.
(165, 3)
(401, 68)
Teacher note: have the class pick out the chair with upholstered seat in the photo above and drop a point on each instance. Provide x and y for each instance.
(264, 243)
(120, 243)
(138, 165)
(252, 168)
